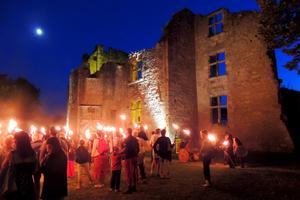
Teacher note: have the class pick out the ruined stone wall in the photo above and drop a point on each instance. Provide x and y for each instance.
(182, 94)
(151, 89)
(250, 84)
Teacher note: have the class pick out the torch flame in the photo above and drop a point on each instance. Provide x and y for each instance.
(12, 124)
(43, 130)
(186, 131)
(87, 134)
(212, 137)
(57, 128)
(225, 143)
(146, 127)
(99, 126)
(123, 117)
(175, 126)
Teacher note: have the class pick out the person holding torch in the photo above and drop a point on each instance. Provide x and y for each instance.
(207, 152)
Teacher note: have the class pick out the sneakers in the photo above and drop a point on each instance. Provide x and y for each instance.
(206, 184)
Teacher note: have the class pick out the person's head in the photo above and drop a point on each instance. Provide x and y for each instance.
(100, 134)
(23, 145)
(116, 149)
(129, 132)
(81, 142)
(203, 134)
(228, 136)
(53, 132)
(135, 133)
(163, 132)
(157, 131)
(153, 132)
(53, 145)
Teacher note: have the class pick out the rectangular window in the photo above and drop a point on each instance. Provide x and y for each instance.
(217, 65)
(215, 24)
(219, 110)
(136, 71)
(136, 112)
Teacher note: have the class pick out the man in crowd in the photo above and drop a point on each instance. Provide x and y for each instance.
(130, 151)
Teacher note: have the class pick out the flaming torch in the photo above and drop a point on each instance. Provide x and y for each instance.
(187, 132)
(33, 130)
(43, 130)
(87, 134)
(12, 124)
(212, 138)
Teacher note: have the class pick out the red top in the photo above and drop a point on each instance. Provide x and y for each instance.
(116, 162)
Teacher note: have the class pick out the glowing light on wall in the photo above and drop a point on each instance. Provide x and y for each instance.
(152, 97)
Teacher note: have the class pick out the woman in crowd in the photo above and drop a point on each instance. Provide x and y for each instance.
(101, 159)
(24, 163)
(54, 168)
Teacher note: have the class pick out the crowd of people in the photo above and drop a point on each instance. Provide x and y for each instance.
(27, 160)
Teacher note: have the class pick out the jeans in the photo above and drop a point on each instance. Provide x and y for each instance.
(115, 179)
(206, 169)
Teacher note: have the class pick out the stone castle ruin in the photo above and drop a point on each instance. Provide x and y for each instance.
(207, 72)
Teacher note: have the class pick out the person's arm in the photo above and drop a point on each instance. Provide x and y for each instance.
(94, 148)
(42, 152)
(155, 146)
(6, 160)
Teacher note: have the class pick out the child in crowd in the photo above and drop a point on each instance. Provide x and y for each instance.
(116, 170)
(83, 158)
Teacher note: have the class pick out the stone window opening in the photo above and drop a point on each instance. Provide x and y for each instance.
(219, 113)
(215, 24)
(136, 71)
(217, 65)
(136, 112)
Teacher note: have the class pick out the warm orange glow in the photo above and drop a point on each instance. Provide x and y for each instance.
(121, 130)
(99, 126)
(87, 134)
(123, 117)
(225, 143)
(12, 124)
(33, 130)
(146, 127)
(186, 131)
(212, 137)
(136, 125)
(175, 126)
(43, 130)
(57, 128)
(18, 130)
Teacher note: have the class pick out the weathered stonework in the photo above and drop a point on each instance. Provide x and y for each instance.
(175, 86)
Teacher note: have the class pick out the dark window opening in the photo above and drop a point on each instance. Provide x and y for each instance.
(217, 65)
(219, 113)
(215, 24)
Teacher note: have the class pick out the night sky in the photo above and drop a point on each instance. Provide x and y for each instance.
(74, 27)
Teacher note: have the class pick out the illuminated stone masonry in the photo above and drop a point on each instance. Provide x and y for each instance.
(207, 72)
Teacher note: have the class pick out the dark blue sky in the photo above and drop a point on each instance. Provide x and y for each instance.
(73, 27)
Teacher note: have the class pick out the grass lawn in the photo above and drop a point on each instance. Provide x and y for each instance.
(186, 180)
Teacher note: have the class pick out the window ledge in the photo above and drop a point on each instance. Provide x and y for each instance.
(135, 82)
(217, 77)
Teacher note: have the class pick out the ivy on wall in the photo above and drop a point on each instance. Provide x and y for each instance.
(99, 57)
